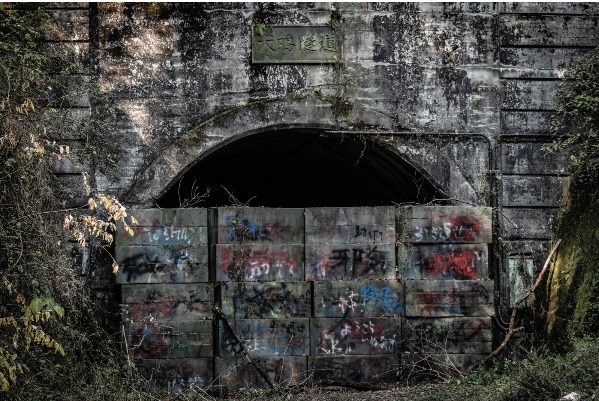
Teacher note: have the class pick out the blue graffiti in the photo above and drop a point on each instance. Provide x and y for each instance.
(238, 229)
(381, 298)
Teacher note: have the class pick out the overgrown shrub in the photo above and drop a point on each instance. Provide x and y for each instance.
(51, 347)
(575, 122)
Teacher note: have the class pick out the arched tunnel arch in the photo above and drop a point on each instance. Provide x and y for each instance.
(302, 168)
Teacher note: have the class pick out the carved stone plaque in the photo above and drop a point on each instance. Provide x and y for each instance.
(307, 44)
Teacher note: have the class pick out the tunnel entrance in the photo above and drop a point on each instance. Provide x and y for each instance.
(301, 168)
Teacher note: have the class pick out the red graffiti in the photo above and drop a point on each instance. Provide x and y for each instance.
(459, 264)
(436, 302)
(466, 228)
(259, 263)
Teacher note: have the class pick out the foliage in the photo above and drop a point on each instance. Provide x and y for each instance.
(568, 306)
(575, 123)
(48, 334)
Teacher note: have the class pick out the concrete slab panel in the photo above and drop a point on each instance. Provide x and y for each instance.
(237, 372)
(161, 264)
(260, 225)
(355, 336)
(360, 298)
(460, 335)
(558, 30)
(529, 223)
(355, 369)
(531, 158)
(444, 261)
(433, 298)
(266, 300)
(347, 261)
(159, 293)
(155, 340)
(531, 191)
(365, 225)
(265, 262)
(445, 224)
(266, 337)
(178, 374)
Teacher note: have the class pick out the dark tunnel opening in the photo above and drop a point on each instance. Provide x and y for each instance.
(301, 169)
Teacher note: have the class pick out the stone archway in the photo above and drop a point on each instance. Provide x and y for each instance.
(303, 168)
(417, 165)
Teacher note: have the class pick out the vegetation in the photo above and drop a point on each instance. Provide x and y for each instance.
(50, 344)
(569, 306)
(575, 123)
(540, 375)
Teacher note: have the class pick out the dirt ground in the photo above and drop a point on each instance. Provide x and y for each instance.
(337, 393)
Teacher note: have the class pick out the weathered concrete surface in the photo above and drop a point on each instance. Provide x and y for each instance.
(434, 224)
(260, 262)
(358, 298)
(462, 92)
(354, 368)
(260, 226)
(350, 243)
(356, 336)
(161, 59)
(440, 298)
(236, 372)
(444, 262)
(179, 374)
(300, 325)
(266, 337)
(266, 300)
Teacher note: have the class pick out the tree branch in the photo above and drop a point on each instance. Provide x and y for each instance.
(221, 314)
(524, 296)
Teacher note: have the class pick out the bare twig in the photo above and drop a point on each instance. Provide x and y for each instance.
(436, 200)
(524, 296)
(222, 315)
(236, 202)
(129, 363)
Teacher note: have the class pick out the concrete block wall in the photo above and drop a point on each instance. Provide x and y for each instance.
(319, 294)
(449, 294)
(167, 299)
(68, 43)
(350, 257)
(537, 43)
(260, 260)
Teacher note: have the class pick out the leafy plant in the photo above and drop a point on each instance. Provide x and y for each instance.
(575, 123)
(47, 326)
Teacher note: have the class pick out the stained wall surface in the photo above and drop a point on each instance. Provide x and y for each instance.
(462, 92)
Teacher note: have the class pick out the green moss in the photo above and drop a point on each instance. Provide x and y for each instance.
(191, 137)
(571, 298)
(340, 105)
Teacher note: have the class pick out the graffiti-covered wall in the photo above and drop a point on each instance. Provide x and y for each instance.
(320, 294)
(449, 99)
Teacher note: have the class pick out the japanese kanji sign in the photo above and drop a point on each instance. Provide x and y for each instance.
(276, 44)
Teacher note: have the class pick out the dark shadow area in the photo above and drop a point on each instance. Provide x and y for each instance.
(302, 169)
